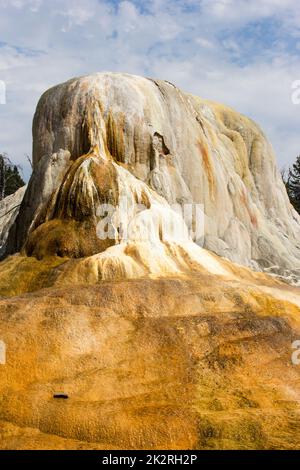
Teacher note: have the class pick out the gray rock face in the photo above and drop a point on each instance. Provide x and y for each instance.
(181, 148)
(9, 209)
(45, 180)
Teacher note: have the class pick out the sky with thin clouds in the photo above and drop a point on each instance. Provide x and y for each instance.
(244, 53)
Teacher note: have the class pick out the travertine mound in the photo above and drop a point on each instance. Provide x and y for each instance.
(100, 137)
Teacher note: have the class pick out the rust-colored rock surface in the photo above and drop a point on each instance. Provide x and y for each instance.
(166, 363)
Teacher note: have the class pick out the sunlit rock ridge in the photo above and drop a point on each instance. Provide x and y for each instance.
(163, 336)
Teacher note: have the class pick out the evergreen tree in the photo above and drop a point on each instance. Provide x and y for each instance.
(10, 178)
(291, 180)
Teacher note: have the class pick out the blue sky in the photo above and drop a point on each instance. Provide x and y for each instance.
(240, 52)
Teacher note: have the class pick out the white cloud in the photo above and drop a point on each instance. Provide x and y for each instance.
(205, 47)
(240, 12)
(76, 13)
(19, 4)
(203, 42)
(10, 58)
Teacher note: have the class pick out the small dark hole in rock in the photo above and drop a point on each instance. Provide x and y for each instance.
(60, 395)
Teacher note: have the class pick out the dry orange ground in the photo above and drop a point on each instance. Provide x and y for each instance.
(189, 362)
